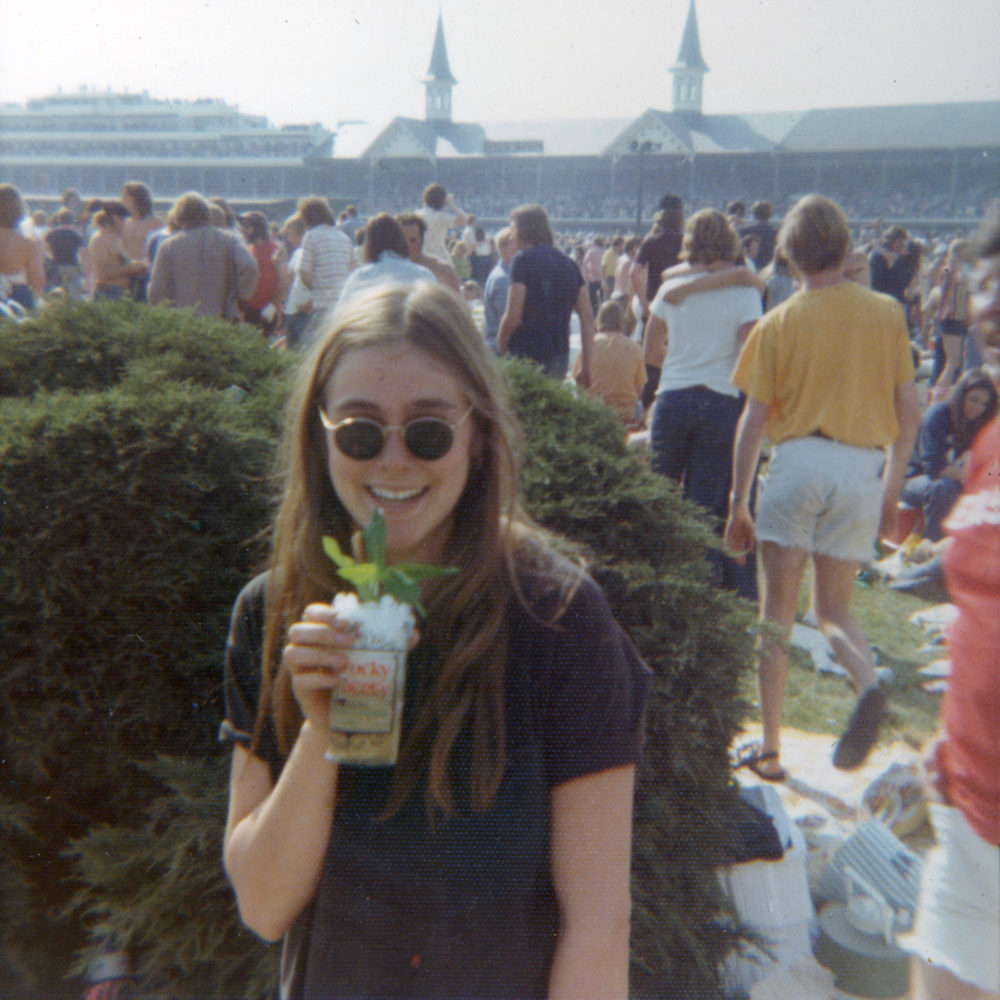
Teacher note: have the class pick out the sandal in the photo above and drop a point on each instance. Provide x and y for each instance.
(751, 756)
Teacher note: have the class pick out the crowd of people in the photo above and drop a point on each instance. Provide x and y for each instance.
(588, 200)
(772, 372)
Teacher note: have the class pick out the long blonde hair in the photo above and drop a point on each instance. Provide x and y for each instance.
(466, 621)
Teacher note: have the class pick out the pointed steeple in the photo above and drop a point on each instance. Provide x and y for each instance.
(439, 81)
(690, 67)
(690, 54)
(439, 68)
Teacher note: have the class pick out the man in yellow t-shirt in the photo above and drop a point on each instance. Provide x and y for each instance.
(828, 376)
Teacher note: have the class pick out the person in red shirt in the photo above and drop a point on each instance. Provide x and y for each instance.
(956, 943)
(262, 308)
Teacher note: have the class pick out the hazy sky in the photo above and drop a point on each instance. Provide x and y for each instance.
(327, 60)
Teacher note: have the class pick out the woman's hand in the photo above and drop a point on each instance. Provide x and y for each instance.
(934, 782)
(314, 656)
(956, 469)
(739, 531)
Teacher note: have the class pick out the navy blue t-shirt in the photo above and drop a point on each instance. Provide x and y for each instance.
(552, 283)
(465, 906)
(64, 244)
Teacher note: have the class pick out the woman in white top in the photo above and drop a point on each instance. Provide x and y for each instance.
(441, 214)
(697, 406)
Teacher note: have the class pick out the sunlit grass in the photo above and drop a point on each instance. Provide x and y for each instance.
(822, 703)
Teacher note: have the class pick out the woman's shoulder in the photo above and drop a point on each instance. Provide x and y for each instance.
(587, 681)
(251, 602)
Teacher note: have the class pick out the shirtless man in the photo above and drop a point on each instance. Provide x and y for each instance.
(414, 228)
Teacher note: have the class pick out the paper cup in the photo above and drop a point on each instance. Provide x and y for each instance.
(366, 706)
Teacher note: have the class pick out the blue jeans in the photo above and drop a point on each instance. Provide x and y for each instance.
(556, 366)
(691, 441)
(935, 497)
(296, 327)
(23, 296)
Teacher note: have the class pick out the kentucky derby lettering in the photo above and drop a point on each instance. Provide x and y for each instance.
(364, 700)
(368, 668)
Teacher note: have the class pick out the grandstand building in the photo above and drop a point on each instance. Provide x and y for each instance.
(96, 141)
(938, 163)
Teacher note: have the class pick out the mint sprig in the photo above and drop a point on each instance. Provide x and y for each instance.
(373, 578)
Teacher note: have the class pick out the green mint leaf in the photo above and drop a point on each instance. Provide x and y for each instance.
(374, 536)
(397, 583)
(365, 577)
(371, 578)
(333, 551)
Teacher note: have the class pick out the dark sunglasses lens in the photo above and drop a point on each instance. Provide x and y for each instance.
(360, 439)
(428, 438)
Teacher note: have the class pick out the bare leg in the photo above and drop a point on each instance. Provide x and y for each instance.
(833, 585)
(832, 589)
(953, 361)
(932, 982)
(782, 570)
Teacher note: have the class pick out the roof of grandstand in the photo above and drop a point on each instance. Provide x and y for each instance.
(909, 126)
(684, 131)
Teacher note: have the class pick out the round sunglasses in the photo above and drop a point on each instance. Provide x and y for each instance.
(360, 438)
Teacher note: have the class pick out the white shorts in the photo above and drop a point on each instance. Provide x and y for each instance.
(822, 496)
(958, 916)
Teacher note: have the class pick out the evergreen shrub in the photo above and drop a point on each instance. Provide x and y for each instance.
(133, 485)
(133, 479)
(645, 546)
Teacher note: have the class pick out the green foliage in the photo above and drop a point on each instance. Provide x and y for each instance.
(133, 481)
(185, 936)
(92, 347)
(822, 703)
(373, 578)
(645, 546)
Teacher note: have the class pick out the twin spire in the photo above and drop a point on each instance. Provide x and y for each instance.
(688, 73)
(439, 81)
(690, 68)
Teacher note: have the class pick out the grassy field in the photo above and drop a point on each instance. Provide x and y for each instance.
(822, 703)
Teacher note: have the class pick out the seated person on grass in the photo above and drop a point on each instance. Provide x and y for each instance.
(618, 373)
(947, 429)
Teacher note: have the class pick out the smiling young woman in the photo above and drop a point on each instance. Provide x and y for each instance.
(493, 859)
(389, 387)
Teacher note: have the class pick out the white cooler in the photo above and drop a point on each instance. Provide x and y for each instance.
(772, 897)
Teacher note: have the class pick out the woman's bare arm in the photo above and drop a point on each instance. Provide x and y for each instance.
(591, 864)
